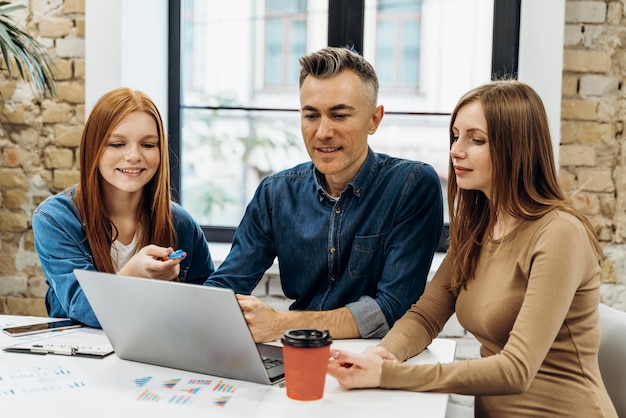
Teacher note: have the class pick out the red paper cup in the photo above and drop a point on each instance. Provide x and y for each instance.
(305, 357)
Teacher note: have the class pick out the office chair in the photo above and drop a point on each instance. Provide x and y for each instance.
(612, 355)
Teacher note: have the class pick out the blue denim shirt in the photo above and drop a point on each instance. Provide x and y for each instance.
(370, 250)
(61, 245)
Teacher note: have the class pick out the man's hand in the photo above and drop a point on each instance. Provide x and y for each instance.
(263, 320)
(268, 324)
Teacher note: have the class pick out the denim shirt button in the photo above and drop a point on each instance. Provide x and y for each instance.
(333, 250)
(333, 278)
(338, 211)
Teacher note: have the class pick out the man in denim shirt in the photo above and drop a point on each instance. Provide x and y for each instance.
(354, 231)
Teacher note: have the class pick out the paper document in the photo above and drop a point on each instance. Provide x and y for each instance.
(88, 342)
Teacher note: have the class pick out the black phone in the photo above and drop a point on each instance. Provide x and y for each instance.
(19, 330)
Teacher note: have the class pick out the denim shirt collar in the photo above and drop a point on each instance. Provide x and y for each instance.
(359, 183)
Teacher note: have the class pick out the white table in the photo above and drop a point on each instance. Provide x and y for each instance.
(64, 386)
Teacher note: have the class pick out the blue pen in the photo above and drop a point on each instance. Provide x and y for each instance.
(177, 254)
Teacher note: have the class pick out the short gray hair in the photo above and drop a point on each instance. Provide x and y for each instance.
(330, 61)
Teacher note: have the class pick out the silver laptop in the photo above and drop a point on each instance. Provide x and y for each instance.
(184, 326)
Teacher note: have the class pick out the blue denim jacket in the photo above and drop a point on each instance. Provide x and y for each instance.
(370, 250)
(61, 245)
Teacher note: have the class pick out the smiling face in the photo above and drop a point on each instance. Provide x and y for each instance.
(131, 155)
(337, 115)
(470, 153)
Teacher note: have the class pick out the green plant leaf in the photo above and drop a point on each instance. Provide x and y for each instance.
(30, 57)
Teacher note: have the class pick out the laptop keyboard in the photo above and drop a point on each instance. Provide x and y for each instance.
(270, 363)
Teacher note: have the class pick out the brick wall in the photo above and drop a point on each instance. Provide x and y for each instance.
(592, 153)
(39, 138)
(39, 141)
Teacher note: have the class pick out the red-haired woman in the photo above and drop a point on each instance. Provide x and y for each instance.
(120, 218)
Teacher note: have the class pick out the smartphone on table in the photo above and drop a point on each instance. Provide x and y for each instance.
(55, 325)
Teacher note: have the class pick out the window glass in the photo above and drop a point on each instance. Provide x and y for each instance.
(239, 87)
(397, 43)
(285, 40)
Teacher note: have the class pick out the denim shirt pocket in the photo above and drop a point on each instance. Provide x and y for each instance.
(366, 259)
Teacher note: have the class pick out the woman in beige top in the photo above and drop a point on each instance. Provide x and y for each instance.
(522, 274)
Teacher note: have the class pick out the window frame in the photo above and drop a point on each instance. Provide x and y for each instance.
(343, 29)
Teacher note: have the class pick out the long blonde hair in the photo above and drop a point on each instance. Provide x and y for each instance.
(156, 215)
(524, 177)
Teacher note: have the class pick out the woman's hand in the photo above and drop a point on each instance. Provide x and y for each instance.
(355, 370)
(381, 351)
(152, 262)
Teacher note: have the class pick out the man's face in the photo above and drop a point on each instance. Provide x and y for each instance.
(337, 116)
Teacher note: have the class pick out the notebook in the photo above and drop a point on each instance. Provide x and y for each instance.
(183, 326)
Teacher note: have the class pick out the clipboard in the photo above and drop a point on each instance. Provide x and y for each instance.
(85, 342)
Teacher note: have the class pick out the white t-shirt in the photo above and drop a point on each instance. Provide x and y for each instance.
(120, 253)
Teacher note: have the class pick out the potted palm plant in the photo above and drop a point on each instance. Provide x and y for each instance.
(23, 52)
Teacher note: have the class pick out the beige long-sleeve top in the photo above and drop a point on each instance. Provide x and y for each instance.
(533, 306)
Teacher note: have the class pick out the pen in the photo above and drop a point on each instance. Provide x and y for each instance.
(66, 351)
(177, 254)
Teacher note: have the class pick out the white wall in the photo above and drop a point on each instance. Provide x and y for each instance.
(541, 56)
(126, 46)
(456, 54)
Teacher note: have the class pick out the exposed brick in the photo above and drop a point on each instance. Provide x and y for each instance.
(11, 178)
(585, 11)
(30, 306)
(588, 203)
(71, 92)
(598, 85)
(577, 155)
(37, 287)
(12, 284)
(57, 113)
(70, 48)
(67, 135)
(58, 158)
(15, 199)
(619, 60)
(569, 132)
(80, 27)
(65, 178)
(596, 180)
(13, 222)
(614, 13)
(579, 109)
(80, 113)
(585, 61)
(569, 86)
(38, 199)
(13, 157)
(74, 6)
(567, 180)
(593, 132)
(573, 35)
(55, 27)
(79, 69)
(7, 88)
(63, 70)
(13, 114)
(29, 241)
